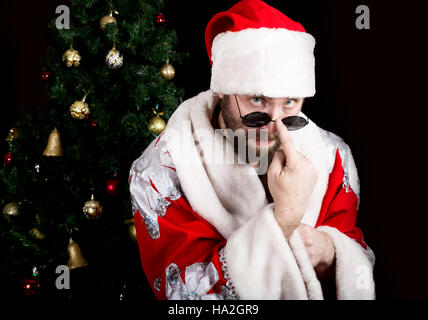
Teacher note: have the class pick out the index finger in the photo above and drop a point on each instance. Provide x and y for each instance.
(287, 144)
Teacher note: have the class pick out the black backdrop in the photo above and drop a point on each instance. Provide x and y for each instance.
(370, 91)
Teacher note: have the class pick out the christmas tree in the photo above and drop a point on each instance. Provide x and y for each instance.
(64, 185)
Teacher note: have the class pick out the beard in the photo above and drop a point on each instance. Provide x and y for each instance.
(234, 123)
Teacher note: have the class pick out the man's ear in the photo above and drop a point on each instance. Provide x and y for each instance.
(220, 95)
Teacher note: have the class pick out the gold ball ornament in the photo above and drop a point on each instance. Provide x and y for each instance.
(106, 20)
(10, 210)
(12, 135)
(80, 109)
(156, 124)
(131, 229)
(114, 58)
(71, 58)
(92, 209)
(167, 71)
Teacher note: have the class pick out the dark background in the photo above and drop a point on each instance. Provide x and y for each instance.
(370, 91)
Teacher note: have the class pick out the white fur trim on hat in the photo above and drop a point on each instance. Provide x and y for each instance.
(267, 62)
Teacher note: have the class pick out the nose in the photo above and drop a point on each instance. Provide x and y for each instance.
(275, 112)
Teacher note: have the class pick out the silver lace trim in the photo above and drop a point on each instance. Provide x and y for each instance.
(345, 183)
(134, 205)
(172, 274)
(161, 205)
(151, 226)
(200, 277)
(157, 284)
(174, 192)
(228, 291)
(160, 209)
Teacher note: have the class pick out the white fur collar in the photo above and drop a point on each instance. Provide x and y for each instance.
(227, 195)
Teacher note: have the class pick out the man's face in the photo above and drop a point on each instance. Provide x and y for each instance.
(277, 108)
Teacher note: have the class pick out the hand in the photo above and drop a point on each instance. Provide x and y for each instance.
(319, 246)
(290, 185)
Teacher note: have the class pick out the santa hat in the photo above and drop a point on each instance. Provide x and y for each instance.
(255, 49)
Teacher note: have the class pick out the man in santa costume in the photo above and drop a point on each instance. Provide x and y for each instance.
(277, 228)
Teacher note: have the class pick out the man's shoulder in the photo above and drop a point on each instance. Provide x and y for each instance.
(152, 152)
(335, 143)
(155, 166)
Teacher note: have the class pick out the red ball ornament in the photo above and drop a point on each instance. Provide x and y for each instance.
(93, 124)
(45, 75)
(30, 286)
(8, 158)
(160, 19)
(112, 186)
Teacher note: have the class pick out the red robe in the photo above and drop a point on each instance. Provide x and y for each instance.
(182, 254)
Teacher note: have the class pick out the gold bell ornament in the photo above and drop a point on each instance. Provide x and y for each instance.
(10, 210)
(104, 21)
(75, 257)
(156, 124)
(80, 109)
(71, 57)
(167, 71)
(92, 208)
(54, 147)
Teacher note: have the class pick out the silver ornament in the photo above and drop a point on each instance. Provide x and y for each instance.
(114, 58)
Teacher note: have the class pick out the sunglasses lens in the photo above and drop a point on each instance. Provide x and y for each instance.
(260, 119)
(256, 119)
(294, 122)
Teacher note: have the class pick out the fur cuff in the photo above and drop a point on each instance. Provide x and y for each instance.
(354, 268)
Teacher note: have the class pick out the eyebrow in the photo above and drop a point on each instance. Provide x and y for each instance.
(267, 98)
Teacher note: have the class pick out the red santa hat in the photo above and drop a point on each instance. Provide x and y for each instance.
(255, 49)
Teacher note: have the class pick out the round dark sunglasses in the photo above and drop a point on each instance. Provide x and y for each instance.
(260, 119)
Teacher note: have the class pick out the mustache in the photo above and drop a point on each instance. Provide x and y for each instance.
(270, 136)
